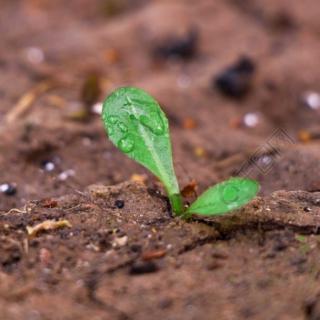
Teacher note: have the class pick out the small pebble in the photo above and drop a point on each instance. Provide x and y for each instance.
(169, 246)
(120, 242)
(312, 100)
(119, 204)
(8, 189)
(236, 80)
(143, 267)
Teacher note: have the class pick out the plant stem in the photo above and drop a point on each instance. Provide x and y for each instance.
(176, 203)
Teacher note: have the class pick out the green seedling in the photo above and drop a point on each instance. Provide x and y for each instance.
(136, 124)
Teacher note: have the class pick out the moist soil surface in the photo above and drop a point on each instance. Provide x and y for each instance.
(235, 79)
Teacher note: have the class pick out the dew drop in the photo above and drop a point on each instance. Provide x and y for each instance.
(113, 119)
(122, 127)
(158, 130)
(230, 194)
(128, 101)
(110, 131)
(126, 144)
(156, 126)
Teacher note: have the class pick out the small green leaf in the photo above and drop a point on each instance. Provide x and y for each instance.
(225, 196)
(139, 128)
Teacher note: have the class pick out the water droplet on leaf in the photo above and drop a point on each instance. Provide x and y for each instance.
(126, 144)
(155, 126)
(123, 128)
(230, 194)
(110, 131)
(113, 119)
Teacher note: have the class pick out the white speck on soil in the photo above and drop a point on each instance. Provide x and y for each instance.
(97, 108)
(312, 100)
(66, 174)
(35, 55)
(251, 119)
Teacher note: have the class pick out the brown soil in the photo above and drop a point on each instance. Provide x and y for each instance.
(137, 261)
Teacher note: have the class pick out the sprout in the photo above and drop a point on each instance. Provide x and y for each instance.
(136, 125)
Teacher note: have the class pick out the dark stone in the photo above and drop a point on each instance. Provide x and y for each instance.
(119, 204)
(136, 247)
(312, 308)
(280, 246)
(183, 47)
(143, 267)
(236, 80)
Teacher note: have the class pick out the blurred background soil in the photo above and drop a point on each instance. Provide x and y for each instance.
(240, 83)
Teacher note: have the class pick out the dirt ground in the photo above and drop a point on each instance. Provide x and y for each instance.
(119, 253)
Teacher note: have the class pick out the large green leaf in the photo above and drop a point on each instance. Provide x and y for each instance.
(139, 128)
(225, 196)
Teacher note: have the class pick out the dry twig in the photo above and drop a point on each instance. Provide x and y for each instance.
(26, 101)
(47, 225)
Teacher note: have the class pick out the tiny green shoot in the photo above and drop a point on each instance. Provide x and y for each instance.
(136, 125)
